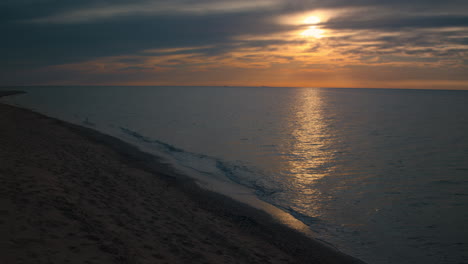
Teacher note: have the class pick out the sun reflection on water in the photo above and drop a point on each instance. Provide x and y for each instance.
(310, 133)
(311, 158)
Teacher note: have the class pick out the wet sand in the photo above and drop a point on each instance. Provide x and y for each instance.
(69, 194)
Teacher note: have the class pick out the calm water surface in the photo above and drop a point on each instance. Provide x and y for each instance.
(381, 174)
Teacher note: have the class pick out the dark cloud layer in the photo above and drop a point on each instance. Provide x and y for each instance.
(55, 44)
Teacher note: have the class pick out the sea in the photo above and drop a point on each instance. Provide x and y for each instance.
(380, 174)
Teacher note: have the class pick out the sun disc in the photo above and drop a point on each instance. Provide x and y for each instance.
(311, 20)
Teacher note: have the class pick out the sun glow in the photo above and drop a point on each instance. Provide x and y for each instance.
(312, 20)
(312, 30)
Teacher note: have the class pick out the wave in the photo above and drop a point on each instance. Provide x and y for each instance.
(237, 172)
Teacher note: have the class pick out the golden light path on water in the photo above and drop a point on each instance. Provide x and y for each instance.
(310, 152)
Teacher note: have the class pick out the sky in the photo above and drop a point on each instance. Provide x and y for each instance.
(421, 44)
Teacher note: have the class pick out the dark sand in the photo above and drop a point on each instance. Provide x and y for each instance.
(69, 194)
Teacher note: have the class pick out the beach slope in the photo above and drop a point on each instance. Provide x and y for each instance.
(69, 194)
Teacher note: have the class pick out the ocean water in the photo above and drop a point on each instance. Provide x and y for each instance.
(380, 174)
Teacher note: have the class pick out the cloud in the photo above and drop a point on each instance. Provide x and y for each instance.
(32, 45)
(207, 35)
(395, 22)
(147, 8)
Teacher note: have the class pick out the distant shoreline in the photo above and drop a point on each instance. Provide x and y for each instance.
(103, 190)
(246, 86)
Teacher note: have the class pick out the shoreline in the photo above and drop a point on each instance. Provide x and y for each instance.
(10, 93)
(149, 181)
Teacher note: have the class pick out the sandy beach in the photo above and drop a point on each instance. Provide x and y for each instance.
(69, 194)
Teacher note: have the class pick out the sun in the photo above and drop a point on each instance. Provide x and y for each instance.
(311, 20)
(308, 25)
(312, 30)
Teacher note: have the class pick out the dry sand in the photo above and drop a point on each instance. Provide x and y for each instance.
(69, 194)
